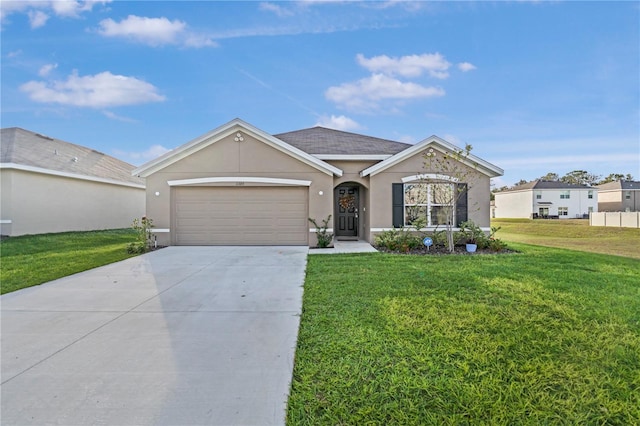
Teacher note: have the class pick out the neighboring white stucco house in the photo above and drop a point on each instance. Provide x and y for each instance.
(48, 185)
(546, 199)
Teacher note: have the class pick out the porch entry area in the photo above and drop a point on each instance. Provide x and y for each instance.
(346, 212)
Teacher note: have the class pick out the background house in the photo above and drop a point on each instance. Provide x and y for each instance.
(48, 185)
(240, 185)
(619, 196)
(546, 199)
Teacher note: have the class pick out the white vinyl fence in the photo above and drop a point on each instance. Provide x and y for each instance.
(617, 219)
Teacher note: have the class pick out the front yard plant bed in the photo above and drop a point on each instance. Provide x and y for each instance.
(546, 337)
(441, 250)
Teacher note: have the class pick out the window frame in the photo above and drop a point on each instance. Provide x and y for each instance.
(429, 203)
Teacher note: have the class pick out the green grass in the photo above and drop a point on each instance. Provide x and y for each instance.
(545, 336)
(573, 234)
(34, 259)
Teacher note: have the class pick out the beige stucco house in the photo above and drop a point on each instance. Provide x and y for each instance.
(619, 196)
(48, 185)
(240, 185)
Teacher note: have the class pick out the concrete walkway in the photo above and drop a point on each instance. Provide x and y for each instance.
(180, 336)
(345, 247)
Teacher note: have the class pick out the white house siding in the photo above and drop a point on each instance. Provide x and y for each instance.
(36, 203)
(524, 204)
(513, 204)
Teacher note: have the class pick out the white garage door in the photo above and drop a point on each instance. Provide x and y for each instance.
(241, 216)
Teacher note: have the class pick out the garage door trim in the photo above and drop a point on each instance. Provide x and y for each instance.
(249, 215)
(212, 181)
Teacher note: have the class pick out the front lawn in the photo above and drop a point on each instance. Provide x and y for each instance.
(34, 259)
(575, 234)
(545, 336)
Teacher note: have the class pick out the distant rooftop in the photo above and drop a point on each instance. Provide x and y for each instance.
(27, 148)
(546, 184)
(625, 185)
(320, 140)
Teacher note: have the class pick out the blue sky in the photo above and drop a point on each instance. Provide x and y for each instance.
(534, 87)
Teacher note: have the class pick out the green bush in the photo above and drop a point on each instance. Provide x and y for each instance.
(143, 241)
(473, 234)
(324, 237)
(398, 240)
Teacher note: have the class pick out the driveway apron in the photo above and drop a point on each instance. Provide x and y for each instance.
(179, 336)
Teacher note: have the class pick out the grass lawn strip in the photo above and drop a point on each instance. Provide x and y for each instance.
(571, 234)
(35, 259)
(545, 336)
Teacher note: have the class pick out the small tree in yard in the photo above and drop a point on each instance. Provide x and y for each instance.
(142, 228)
(450, 168)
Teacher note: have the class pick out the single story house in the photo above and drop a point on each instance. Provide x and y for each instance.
(546, 199)
(239, 185)
(48, 185)
(619, 196)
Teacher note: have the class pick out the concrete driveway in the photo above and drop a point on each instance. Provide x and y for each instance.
(179, 336)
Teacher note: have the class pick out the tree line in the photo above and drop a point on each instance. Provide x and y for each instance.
(576, 177)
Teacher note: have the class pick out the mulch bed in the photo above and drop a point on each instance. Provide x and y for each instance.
(443, 251)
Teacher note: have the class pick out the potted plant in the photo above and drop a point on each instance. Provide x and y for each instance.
(472, 233)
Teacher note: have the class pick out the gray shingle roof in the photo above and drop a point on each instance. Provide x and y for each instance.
(546, 184)
(27, 148)
(625, 185)
(320, 140)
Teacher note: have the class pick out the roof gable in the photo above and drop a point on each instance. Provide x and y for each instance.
(32, 151)
(215, 135)
(439, 143)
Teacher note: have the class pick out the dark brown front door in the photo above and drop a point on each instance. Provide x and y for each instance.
(347, 202)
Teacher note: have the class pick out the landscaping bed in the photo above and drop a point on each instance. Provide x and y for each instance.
(443, 251)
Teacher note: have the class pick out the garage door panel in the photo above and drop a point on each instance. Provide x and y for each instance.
(241, 216)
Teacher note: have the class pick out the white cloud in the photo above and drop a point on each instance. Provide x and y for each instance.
(35, 9)
(276, 8)
(46, 69)
(466, 66)
(37, 18)
(140, 157)
(407, 66)
(117, 117)
(366, 93)
(338, 122)
(93, 91)
(153, 31)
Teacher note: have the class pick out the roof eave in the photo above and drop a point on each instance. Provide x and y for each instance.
(483, 166)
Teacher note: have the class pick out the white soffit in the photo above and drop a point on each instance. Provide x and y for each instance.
(13, 166)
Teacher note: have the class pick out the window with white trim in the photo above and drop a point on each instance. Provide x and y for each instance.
(627, 195)
(565, 195)
(538, 195)
(590, 195)
(563, 211)
(428, 200)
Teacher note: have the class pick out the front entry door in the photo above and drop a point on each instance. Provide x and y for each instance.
(347, 202)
